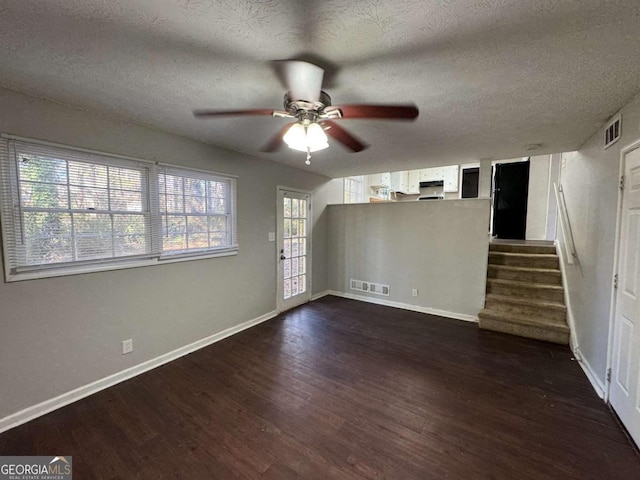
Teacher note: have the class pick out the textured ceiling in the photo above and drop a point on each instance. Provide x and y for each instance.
(489, 76)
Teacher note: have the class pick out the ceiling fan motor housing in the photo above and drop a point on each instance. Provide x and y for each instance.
(305, 109)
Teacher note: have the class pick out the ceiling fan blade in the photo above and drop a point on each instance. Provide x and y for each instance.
(276, 141)
(221, 113)
(340, 134)
(390, 112)
(302, 79)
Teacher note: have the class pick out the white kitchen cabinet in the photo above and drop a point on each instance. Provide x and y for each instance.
(379, 180)
(414, 182)
(400, 181)
(451, 178)
(432, 174)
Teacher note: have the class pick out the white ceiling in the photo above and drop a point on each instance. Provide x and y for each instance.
(489, 76)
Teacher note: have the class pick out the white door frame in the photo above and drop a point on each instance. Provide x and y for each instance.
(616, 252)
(280, 188)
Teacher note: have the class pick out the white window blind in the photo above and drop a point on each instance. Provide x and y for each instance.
(197, 211)
(71, 211)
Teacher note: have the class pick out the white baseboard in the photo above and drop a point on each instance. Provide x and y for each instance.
(320, 295)
(60, 401)
(406, 306)
(597, 385)
(591, 375)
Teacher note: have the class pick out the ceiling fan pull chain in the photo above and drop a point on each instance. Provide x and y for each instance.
(308, 162)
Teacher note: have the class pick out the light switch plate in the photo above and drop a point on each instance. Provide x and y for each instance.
(272, 236)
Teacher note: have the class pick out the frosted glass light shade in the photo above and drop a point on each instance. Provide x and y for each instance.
(296, 137)
(311, 138)
(315, 136)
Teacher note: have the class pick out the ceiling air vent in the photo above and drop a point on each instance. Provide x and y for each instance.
(612, 131)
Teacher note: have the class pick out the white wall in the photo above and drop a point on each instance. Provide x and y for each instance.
(58, 334)
(439, 247)
(552, 212)
(538, 198)
(590, 183)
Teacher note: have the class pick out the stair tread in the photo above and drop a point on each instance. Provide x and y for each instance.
(518, 254)
(513, 268)
(520, 283)
(526, 301)
(526, 320)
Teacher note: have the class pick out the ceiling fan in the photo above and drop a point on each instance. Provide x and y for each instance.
(315, 117)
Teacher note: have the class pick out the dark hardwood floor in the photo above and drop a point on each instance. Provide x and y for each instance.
(349, 390)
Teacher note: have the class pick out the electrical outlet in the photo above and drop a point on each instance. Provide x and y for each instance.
(414, 292)
(127, 346)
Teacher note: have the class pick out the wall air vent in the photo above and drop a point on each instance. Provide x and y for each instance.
(613, 131)
(363, 286)
(379, 289)
(359, 285)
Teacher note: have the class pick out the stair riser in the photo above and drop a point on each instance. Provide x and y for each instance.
(496, 247)
(526, 292)
(531, 262)
(534, 277)
(551, 313)
(524, 331)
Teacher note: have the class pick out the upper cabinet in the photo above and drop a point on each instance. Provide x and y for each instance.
(408, 182)
(380, 180)
(451, 178)
(432, 174)
(414, 182)
(400, 181)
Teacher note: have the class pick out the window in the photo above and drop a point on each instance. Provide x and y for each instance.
(71, 211)
(354, 189)
(196, 211)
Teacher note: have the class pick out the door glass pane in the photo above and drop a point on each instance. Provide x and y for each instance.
(303, 209)
(287, 207)
(287, 288)
(294, 207)
(287, 228)
(302, 284)
(287, 268)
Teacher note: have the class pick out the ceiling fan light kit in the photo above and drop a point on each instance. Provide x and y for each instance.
(306, 137)
(314, 114)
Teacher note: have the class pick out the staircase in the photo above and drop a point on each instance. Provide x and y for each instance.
(524, 293)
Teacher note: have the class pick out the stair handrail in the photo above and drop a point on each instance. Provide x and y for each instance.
(565, 226)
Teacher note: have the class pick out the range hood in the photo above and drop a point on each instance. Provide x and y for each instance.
(434, 183)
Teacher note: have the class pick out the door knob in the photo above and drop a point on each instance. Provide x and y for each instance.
(282, 257)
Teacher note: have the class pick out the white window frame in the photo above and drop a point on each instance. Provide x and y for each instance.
(353, 186)
(230, 214)
(11, 219)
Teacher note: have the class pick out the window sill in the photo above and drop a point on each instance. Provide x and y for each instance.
(108, 266)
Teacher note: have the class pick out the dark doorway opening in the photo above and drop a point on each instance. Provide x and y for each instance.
(511, 187)
(470, 179)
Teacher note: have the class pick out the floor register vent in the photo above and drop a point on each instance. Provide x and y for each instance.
(377, 288)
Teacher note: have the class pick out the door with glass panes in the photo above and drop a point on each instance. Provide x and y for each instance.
(294, 259)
